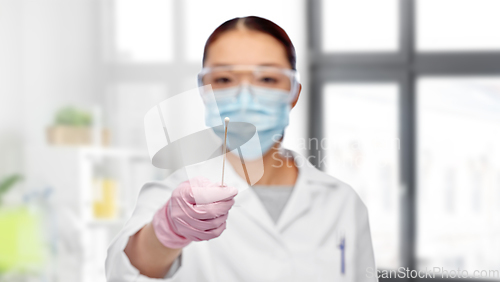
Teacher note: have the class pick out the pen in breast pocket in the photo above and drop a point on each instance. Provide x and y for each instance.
(342, 253)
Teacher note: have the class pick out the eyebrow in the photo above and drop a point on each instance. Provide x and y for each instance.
(271, 65)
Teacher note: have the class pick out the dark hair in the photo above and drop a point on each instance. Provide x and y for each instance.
(257, 24)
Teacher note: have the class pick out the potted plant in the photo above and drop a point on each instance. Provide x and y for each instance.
(73, 127)
(7, 183)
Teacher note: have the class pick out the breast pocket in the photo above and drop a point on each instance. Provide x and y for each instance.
(336, 259)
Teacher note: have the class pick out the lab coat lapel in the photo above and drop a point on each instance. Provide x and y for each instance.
(303, 193)
(306, 187)
(250, 204)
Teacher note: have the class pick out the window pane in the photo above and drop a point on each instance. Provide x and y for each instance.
(360, 25)
(456, 25)
(362, 148)
(199, 23)
(144, 30)
(459, 173)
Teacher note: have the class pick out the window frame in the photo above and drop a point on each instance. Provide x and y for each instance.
(404, 67)
(178, 69)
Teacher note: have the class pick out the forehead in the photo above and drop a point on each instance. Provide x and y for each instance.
(246, 47)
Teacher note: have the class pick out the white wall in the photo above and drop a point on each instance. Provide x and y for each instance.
(60, 60)
(11, 109)
(49, 52)
(49, 58)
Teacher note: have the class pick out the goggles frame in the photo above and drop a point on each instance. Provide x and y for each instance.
(292, 74)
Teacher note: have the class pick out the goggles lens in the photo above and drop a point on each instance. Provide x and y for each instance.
(264, 76)
(231, 78)
(220, 79)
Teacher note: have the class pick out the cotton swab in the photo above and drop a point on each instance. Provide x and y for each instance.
(226, 123)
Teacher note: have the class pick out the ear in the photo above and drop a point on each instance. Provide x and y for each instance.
(298, 95)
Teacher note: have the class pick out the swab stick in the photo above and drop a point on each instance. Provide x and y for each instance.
(226, 123)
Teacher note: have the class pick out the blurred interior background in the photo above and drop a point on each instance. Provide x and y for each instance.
(401, 100)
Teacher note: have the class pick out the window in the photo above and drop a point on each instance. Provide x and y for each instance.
(200, 24)
(160, 42)
(360, 26)
(458, 25)
(459, 172)
(144, 31)
(440, 96)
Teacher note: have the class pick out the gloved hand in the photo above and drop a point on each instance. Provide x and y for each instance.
(193, 213)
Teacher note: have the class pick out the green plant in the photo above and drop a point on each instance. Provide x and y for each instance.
(8, 183)
(73, 117)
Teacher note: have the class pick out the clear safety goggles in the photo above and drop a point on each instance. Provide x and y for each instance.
(231, 78)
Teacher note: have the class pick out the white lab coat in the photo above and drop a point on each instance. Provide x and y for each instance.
(304, 245)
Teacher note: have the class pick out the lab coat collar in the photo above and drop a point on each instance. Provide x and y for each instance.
(306, 188)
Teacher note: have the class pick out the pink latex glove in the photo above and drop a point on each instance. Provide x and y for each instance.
(193, 213)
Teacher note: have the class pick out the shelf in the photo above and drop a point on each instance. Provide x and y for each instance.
(105, 222)
(114, 152)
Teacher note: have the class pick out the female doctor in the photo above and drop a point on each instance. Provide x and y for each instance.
(295, 224)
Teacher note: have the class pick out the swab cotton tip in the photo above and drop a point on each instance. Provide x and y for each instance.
(226, 120)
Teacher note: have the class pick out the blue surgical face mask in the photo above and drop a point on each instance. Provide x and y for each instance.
(266, 108)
